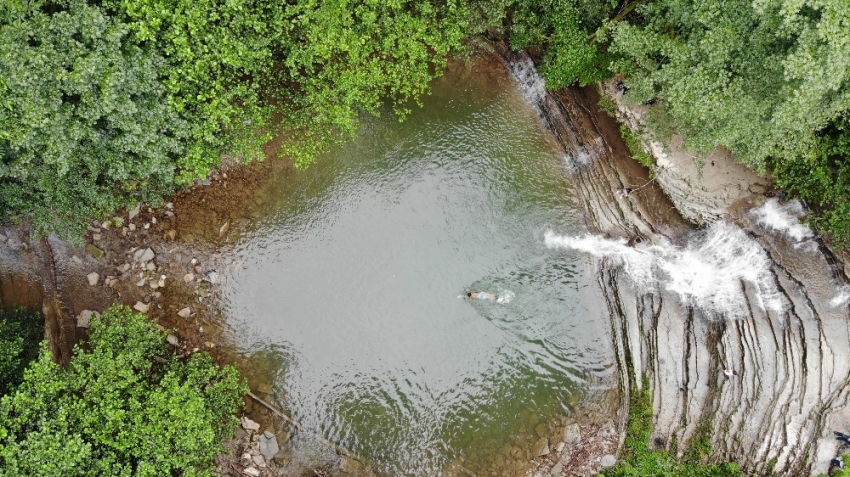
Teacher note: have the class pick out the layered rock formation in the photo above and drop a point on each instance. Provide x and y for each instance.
(740, 327)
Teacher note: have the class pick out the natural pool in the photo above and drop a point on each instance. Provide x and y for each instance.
(347, 290)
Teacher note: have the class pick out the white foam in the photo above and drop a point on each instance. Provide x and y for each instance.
(841, 298)
(532, 85)
(783, 218)
(505, 297)
(707, 273)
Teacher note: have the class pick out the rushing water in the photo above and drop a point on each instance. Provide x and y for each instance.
(350, 288)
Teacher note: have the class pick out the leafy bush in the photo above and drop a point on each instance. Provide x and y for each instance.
(20, 332)
(125, 406)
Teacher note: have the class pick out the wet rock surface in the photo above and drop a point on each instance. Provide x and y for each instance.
(769, 380)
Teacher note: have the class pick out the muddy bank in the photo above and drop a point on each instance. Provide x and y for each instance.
(760, 369)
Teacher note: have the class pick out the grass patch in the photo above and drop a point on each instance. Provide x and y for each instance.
(638, 459)
(633, 142)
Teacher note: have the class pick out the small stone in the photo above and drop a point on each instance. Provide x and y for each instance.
(144, 255)
(223, 229)
(198, 269)
(249, 425)
(153, 220)
(172, 340)
(153, 284)
(209, 344)
(157, 295)
(161, 281)
(96, 237)
(212, 276)
(93, 229)
(185, 313)
(252, 472)
(84, 319)
(147, 226)
(259, 461)
(541, 448)
(556, 470)
(126, 267)
(141, 307)
(134, 211)
(194, 261)
(204, 182)
(93, 278)
(188, 277)
(141, 282)
(76, 259)
(608, 460)
(171, 234)
(169, 205)
(3, 238)
(94, 251)
(246, 456)
(131, 227)
(560, 447)
(150, 266)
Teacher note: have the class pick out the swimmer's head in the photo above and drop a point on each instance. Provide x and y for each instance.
(469, 294)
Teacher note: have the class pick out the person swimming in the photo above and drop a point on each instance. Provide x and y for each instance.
(481, 295)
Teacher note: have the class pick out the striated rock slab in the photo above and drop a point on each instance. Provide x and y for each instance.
(740, 329)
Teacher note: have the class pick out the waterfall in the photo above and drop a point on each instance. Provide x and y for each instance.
(709, 272)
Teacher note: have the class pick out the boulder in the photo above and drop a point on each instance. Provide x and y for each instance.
(268, 445)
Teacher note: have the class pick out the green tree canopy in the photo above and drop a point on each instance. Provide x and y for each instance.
(85, 124)
(761, 78)
(125, 406)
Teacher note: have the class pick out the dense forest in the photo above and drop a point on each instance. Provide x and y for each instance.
(110, 102)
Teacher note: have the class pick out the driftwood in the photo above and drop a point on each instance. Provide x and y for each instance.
(333, 445)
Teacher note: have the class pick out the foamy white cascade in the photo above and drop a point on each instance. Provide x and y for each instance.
(783, 218)
(708, 273)
(841, 298)
(532, 85)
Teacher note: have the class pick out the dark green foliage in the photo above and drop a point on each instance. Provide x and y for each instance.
(85, 123)
(20, 332)
(638, 460)
(822, 179)
(125, 406)
(770, 81)
(565, 30)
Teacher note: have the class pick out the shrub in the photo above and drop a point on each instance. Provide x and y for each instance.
(20, 332)
(125, 406)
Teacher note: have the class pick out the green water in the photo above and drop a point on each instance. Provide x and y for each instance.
(348, 289)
